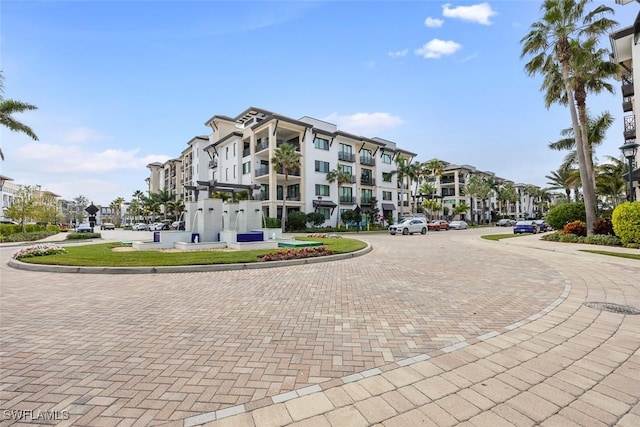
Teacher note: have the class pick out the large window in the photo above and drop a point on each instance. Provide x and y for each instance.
(322, 190)
(387, 195)
(326, 212)
(246, 168)
(346, 195)
(321, 143)
(386, 176)
(366, 196)
(293, 192)
(386, 158)
(322, 166)
(345, 153)
(347, 168)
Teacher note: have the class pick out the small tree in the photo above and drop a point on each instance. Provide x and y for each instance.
(285, 159)
(297, 221)
(315, 218)
(22, 207)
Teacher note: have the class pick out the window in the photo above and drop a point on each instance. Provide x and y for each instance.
(347, 168)
(293, 192)
(322, 190)
(386, 158)
(322, 166)
(321, 143)
(326, 212)
(246, 168)
(387, 195)
(346, 195)
(366, 196)
(386, 176)
(226, 172)
(234, 170)
(227, 153)
(234, 149)
(344, 148)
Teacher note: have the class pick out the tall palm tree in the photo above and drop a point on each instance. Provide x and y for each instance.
(428, 188)
(342, 177)
(176, 207)
(10, 106)
(610, 179)
(287, 159)
(435, 168)
(478, 188)
(116, 207)
(416, 173)
(563, 179)
(402, 172)
(566, 22)
(138, 197)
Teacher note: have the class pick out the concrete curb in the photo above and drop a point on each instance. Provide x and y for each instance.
(19, 265)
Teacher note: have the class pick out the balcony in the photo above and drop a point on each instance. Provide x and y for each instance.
(627, 85)
(369, 161)
(405, 203)
(346, 157)
(629, 127)
(366, 200)
(346, 200)
(262, 145)
(262, 170)
(294, 172)
(295, 143)
(365, 180)
(402, 186)
(213, 164)
(627, 105)
(353, 179)
(448, 193)
(246, 152)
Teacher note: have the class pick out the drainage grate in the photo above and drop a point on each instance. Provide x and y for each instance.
(613, 308)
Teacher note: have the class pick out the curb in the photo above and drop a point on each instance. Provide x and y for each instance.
(19, 265)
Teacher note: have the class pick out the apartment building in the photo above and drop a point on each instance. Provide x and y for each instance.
(625, 47)
(237, 155)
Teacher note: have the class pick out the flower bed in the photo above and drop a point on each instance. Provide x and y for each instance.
(324, 236)
(38, 250)
(296, 254)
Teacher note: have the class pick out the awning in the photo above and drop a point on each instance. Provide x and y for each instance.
(324, 204)
(388, 207)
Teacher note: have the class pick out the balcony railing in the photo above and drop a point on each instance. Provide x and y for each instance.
(630, 127)
(369, 161)
(347, 200)
(366, 200)
(367, 181)
(246, 152)
(296, 145)
(262, 145)
(627, 105)
(347, 157)
(627, 85)
(293, 172)
(403, 203)
(213, 164)
(262, 170)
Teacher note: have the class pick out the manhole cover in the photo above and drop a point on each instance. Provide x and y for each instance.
(613, 308)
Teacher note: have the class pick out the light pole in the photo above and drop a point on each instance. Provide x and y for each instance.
(629, 152)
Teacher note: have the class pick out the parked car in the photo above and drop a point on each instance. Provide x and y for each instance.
(542, 225)
(525, 227)
(409, 226)
(158, 226)
(458, 225)
(177, 225)
(107, 226)
(437, 225)
(84, 228)
(141, 226)
(505, 222)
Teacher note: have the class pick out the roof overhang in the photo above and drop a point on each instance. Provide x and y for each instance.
(324, 204)
(622, 44)
(388, 207)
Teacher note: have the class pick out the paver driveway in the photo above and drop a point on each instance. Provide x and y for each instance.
(152, 349)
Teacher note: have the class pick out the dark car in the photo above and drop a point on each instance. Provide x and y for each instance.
(437, 225)
(525, 227)
(542, 225)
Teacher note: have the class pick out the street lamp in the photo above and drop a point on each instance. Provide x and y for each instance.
(629, 152)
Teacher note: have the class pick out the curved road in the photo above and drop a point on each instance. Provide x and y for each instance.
(437, 329)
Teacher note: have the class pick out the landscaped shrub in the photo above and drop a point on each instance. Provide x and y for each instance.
(81, 236)
(296, 254)
(578, 228)
(25, 237)
(316, 219)
(296, 221)
(571, 238)
(553, 237)
(7, 229)
(38, 250)
(603, 226)
(626, 222)
(272, 222)
(53, 228)
(603, 239)
(563, 214)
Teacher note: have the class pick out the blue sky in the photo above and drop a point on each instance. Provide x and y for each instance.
(119, 84)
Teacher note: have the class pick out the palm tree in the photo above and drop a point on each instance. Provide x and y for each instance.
(610, 179)
(508, 195)
(9, 107)
(553, 42)
(461, 208)
(435, 167)
(342, 177)
(138, 197)
(428, 188)
(416, 173)
(116, 207)
(176, 207)
(287, 159)
(162, 198)
(563, 179)
(402, 172)
(476, 187)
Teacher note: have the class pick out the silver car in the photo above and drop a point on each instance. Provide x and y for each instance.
(409, 226)
(458, 225)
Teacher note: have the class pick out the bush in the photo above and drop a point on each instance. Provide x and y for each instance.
(53, 228)
(553, 237)
(25, 237)
(7, 229)
(308, 252)
(315, 218)
(272, 223)
(38, 250)
(577, 228)
(296, 221)
(603, 239)
(571, 238)
(603, 226)
(626, 222)
(81, 236)
(563, 214)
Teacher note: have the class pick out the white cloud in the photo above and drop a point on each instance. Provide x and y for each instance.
(79, 135)
(366, 124)
(437, 48)
(433, 22)
(54, 158)
(398, 53)
(478, 13)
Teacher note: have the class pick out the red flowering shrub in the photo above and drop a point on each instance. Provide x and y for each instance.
(603, 226)
(577, 228)
(296, 254)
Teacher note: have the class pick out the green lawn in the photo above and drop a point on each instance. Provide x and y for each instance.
(103, 255)
(618, 254)
(500, 236)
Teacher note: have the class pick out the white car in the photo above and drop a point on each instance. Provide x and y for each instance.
(141, 226)
(458, 225)
(409, 226)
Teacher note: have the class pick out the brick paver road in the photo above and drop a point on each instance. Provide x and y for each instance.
(334, 343)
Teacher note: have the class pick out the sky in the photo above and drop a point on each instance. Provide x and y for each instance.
(121, 84)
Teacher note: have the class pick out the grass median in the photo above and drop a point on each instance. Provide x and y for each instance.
(108, 255)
